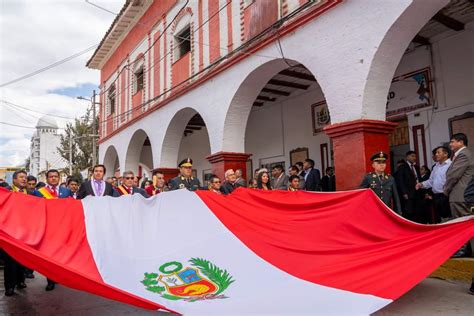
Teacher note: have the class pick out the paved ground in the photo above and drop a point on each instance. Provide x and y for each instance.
(431, 297)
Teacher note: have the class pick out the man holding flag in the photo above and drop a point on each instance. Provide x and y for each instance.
(14, 271)
(52, 190)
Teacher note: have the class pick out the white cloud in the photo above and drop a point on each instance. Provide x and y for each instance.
(34, 34)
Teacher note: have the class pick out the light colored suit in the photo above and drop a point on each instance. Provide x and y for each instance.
(458, 176)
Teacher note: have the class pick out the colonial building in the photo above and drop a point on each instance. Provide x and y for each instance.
(245, 84)
(44, 153)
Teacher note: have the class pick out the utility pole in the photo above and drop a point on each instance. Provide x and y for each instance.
(70, 155)
(94, 132)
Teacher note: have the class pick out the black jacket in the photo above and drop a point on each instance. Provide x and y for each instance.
(406, 180)
(328, 183)
(228, 187)
(86, 190)
(313, 180)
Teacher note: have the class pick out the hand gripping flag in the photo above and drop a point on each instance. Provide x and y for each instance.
(251, 252)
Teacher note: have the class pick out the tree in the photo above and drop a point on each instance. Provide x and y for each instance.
(81, 134)
(27, 164)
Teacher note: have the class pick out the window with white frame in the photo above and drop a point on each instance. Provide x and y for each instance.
(111, 100)
(138, 75)
(183, 42)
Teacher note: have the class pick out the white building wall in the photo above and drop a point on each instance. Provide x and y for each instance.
(340, 55)
(452, 67)
(279, 127)
(196, 146)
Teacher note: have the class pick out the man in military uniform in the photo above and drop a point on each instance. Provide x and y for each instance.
(382, 184)
(185, 178)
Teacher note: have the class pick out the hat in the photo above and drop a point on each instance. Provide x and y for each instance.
(380, 156)
(188, 162)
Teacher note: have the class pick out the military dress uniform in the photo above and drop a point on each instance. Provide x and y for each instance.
(383, 185)
(181, 182)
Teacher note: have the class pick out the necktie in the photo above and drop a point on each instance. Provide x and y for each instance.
(413, 170)
(55, 192)
(99, 187)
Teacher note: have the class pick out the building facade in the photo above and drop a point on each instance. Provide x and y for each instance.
(246, 84)
(44, 153)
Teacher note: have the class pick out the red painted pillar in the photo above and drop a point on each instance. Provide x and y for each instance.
(353, 144)
(223, 161)
(169, 173)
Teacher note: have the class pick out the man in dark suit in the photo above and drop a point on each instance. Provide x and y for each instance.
(96, 186)
(13, 271)
(127, 187)
(328, 182)
(230, 183)
(312, 176)
(52, 190)
(408, 175)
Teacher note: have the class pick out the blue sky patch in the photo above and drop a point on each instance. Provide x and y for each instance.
(84, 90)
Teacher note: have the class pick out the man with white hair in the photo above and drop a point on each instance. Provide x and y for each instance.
(230, 183)
(128, 186)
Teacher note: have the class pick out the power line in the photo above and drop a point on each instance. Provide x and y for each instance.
(55, 64)
(178, 85)
(19, 114)
(148, 49)
(164, 56)
(240, 49)
(27, 109)
(101, 8)
(15, 125)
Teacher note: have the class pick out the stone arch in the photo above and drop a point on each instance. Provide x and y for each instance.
(241, 103)
(174, 133)
(390, 52)
(111, 160)
(139, 151)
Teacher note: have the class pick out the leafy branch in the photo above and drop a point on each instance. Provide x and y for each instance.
(217, 275)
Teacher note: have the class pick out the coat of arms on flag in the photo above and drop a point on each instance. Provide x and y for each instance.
(201, 281)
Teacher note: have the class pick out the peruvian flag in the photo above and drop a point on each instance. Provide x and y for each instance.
(251, 252)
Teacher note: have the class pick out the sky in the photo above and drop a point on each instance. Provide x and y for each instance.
(36, 34)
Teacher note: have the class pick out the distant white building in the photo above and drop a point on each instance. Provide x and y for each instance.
(44, 147)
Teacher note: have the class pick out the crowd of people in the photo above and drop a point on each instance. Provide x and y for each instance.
(422, 195)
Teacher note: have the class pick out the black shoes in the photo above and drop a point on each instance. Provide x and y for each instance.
(9, 292)
(471, 290)
(50, 287)
(21, 285)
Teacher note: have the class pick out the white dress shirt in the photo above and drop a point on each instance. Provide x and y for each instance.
(437, 177)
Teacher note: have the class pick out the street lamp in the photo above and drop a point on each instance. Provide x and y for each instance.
(94, 128)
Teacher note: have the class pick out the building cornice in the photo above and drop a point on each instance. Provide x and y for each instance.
(127, 18)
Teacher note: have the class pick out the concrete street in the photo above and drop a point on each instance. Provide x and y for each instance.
(431, 297)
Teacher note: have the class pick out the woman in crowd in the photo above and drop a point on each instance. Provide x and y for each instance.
(263, 181)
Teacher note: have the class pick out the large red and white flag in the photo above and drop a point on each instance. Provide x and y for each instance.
(250, 252)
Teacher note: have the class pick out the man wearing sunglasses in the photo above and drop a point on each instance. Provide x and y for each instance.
(128, 188)
(185, 180)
